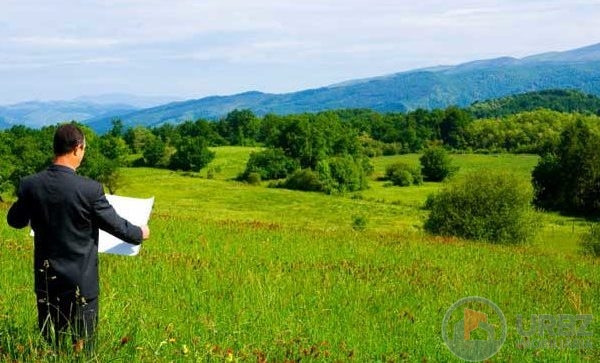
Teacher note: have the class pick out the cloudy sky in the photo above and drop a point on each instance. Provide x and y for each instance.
(61, 49)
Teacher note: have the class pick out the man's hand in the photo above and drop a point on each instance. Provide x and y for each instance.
(145, 231)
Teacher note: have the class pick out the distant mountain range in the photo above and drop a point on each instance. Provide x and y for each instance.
(435, 87)
(108, 106)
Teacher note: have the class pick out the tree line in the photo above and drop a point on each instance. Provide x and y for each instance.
(326, 151)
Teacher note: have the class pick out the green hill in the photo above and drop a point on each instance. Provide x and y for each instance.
(556, 100)
(428, 88)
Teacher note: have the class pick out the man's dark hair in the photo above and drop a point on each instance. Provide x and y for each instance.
(66, 138)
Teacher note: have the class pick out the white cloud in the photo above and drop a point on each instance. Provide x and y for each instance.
(309, 43)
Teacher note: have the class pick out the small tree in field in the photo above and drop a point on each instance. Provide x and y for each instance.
(489, 205)
(192, 154)
(436, 164)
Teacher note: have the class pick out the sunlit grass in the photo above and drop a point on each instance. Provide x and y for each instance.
(250, 273)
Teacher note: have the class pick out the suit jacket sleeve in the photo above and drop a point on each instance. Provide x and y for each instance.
(109, 221)
(18, 214)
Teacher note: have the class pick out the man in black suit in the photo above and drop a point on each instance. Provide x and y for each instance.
(66, 211)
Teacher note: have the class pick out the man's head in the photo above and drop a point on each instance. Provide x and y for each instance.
(69, 145)
(66, 138)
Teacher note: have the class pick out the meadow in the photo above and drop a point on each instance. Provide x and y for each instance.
(238, 272)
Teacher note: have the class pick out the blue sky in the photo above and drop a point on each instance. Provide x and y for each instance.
(55, 50)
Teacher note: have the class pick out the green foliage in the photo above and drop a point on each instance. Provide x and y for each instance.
(199, 128)
(566, 100)
(155, 153)
(359, 222)
(253, 178)
(452, 127)
(310, 138)
(342, 174)
(590, 241)
(569, 180)
(137, 137)
(528, 132)
(114, 148)
(486, 205)
(303, 179)
(240, 127)
(270, 164)
(547, 182)
(436, 164)
(192, 154)
(96, 165)
(403, 174)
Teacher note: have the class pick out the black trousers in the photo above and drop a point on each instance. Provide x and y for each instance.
(65, 315)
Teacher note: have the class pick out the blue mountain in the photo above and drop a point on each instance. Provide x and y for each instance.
(434, 87)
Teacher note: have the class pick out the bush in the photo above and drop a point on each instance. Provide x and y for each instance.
(436, 164)
(270, 164)
(253, 178)
(303, 179)
(490, 206)
(359, 222)
(590, 242)
(343, 174)
(402, 174)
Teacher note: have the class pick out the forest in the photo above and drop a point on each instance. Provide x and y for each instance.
(329, 151)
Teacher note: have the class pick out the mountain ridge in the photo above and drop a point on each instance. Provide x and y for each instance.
(431, 87)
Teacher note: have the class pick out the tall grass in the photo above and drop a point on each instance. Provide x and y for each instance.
(234, 272)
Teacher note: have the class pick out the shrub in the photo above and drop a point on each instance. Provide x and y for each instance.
(359, 222)
(343, 174)
(270, 164)
(436, 164)
(491, 206)
(303, 179)
(403, 174)
(253, 178)
(590, 242)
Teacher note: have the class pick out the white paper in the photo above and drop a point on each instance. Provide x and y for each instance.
(135, 210)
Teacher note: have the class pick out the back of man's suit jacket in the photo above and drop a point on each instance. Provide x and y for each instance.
(65, 211)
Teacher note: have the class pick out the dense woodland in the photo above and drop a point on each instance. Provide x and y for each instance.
(329, 151)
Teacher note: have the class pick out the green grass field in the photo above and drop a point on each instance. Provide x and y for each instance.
(234, 272)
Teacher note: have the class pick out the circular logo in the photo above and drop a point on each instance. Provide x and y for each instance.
(474, 328)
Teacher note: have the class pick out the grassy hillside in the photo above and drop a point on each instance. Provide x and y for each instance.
(238, 272)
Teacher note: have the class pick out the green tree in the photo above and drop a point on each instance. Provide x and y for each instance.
(114, 148)
(192, 154)
(453, 126)
(155, 153)
(569, 180)
(240, 127)
(436, 164)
